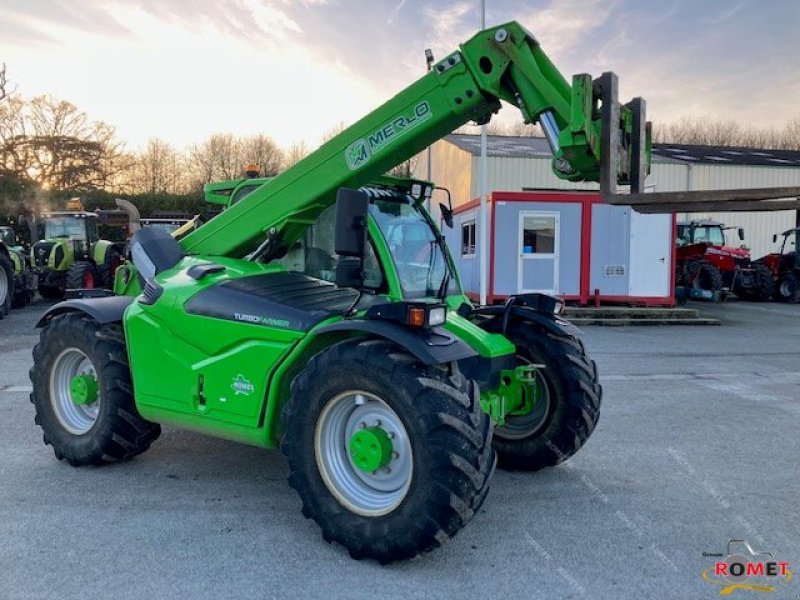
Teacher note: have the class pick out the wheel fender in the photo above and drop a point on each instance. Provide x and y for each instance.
(552, 323)
(103, 310)
(434, 346)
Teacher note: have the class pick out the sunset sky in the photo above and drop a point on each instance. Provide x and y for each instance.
(293, 69)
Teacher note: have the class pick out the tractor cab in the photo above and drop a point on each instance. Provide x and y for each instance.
(790, 241)
(707, 232)
(8, 236)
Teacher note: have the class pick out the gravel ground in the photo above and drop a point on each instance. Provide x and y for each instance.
(697, 445)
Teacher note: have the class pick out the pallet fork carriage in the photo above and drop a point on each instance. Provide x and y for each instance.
(323, 313)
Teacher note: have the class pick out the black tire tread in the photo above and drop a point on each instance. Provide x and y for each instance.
(791, 277)
(574, 387)
(120, 433)
(74, 280)
(8, 267)
(458, 430)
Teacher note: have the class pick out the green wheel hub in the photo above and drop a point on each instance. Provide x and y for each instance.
(370, 449)
(83, 389)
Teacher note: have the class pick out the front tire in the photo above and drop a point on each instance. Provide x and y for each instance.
(104, 425)
(569, 405)
(441, 453)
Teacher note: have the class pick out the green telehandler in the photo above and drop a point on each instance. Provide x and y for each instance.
(322, 314)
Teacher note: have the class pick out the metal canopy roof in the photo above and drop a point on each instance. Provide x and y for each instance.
(533, 147)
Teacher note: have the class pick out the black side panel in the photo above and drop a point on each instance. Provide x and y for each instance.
(160, 247)
(285, 300)
(486, 371)
(102, 310)
(433, 346)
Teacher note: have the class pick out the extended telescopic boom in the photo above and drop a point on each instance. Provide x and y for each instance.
(592, 136)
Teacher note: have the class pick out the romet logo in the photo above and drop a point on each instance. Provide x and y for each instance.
(743, 568)
(360, 151)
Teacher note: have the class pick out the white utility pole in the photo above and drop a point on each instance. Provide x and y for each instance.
(484, 218)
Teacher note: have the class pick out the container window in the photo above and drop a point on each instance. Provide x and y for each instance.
(538, 235)
(468, 238)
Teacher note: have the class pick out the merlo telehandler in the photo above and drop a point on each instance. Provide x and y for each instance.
(322, 314)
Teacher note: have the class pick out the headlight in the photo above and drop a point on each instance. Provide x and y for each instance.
(412, 314)
(436, 316)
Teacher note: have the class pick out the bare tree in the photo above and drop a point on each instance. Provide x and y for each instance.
(159, 169)
(263, 151)
(334, 131)
(296, 153)
(4, 91)
(53, 144)
(704, 130)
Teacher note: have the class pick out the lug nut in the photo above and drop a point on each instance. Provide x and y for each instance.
(363, 425)
(378, 423)
(395, 454)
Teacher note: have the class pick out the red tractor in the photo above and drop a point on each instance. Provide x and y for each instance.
(706, 264)
(785, 267)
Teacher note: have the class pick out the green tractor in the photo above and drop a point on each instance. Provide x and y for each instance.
(17, 278)
(70, 254)
(322, 314)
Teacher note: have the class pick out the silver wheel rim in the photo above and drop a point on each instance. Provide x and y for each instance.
(519, 427)
(786, 289)
(369, 494)
(3, 286)
(76, 419)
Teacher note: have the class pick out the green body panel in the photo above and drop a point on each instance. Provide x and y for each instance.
(16, 260)
(215, 381)
(99, 250)
(67, 259)
(488, 345)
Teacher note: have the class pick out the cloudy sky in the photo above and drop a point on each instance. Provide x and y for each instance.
(293, 69)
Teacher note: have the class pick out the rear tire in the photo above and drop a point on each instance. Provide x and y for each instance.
(107, 430)
(787, 289)
(704, 276)
(442, 425)
(762, 289)
(572, 399)
(82, 275)
(6, 284)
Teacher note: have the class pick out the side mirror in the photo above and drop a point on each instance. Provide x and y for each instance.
(351, 223)
(350, 240)
(774, 238)
(741, 234)
(447, 215)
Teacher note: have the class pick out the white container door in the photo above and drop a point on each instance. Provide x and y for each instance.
(651, 255)
(538, 239)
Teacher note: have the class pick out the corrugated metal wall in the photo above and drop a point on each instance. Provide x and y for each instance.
(457, 170)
